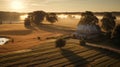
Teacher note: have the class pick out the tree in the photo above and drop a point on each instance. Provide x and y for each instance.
(108, 23)
(27, 22)
(116, 32)
(116, 35)
(52, 18)
(38, 17)
(0, 19)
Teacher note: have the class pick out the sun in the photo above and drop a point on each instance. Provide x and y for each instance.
(17, 5)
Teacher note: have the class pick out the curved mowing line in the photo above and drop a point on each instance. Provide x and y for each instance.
(37, 58)
(12, 59)
(104, 47)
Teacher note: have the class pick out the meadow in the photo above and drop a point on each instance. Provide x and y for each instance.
(27, 38)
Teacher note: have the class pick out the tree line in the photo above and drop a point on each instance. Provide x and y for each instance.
(9, 16)
(37, 17)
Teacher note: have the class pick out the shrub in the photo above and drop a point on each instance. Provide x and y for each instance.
(60, 43)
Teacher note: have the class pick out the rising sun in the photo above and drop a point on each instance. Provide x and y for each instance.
(16, 5)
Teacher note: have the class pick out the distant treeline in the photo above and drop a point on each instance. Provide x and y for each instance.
(9, 16)
(14, 16)
(96, 13)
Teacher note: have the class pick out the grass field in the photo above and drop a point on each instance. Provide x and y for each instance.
(28, 51)
(27, 38)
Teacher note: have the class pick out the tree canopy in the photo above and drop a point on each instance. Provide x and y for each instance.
(51, 17)
(37, 17)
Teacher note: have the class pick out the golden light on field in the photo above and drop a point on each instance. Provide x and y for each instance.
(22, 17)
(76, 16)
(62, 16)
(17, 5)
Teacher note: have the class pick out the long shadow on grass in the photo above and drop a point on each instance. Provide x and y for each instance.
(15, 32)
(73, 58)
(106, 52)
(55, 28)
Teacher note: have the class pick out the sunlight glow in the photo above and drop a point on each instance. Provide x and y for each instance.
(16, 5)
(76, 16)
(22, 17)
(62, 16)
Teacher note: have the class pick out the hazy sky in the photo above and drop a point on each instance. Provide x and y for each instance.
(59, 5)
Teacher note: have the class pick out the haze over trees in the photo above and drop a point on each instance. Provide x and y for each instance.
(51, 17)
(37, 17)
(9, 16)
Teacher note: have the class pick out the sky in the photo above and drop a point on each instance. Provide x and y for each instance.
(59, 5)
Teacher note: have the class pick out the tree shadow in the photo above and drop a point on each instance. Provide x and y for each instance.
(55, 28)
(74, 58)
(30, 27)
(79, 61)
(15, 32)
(114, 43)
(106, 52)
